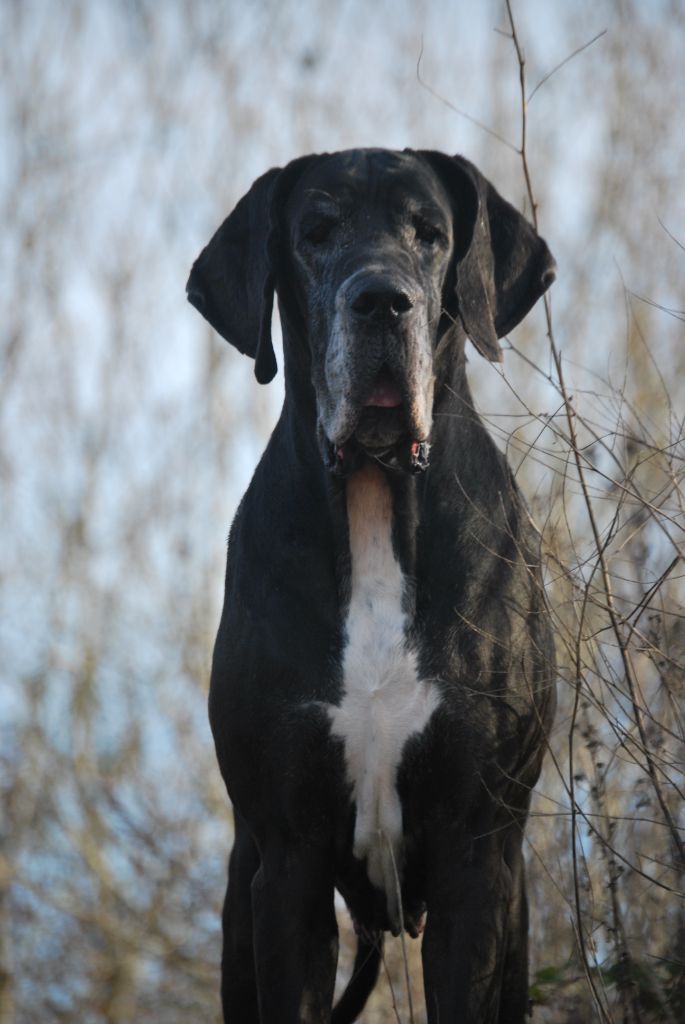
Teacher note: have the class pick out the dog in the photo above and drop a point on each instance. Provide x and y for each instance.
(382, 684)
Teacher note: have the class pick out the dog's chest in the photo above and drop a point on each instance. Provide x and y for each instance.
(384, 699)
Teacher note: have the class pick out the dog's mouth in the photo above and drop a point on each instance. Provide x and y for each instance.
(385, 392)
(383, 420)
(383, 433)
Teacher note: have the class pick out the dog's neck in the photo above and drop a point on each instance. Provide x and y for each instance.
(381, 502)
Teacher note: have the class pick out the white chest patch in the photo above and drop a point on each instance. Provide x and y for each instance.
(384, 700)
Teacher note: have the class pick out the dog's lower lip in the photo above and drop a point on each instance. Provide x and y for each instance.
(385, 393)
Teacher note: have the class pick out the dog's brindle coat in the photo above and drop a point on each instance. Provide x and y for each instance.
(383, 674)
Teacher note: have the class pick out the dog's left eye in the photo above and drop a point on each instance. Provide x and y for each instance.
(319, 231)
(426, 231)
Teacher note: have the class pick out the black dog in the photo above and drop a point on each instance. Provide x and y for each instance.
(383, 674)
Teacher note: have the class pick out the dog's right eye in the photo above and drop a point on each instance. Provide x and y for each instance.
(319, 231)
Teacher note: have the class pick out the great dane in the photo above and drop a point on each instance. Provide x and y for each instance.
(383, 676)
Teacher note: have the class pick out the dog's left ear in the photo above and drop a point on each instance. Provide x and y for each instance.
(232, 281)
(503, 266)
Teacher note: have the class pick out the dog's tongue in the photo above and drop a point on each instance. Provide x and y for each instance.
(385, 394)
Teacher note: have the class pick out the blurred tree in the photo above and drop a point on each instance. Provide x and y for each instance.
(128, 432)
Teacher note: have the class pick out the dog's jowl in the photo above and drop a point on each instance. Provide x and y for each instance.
(383, 676)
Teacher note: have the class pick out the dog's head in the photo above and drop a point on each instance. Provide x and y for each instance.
(375, 254)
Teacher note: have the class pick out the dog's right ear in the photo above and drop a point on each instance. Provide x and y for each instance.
(232, 281)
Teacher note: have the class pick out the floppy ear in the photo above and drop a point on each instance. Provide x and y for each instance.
(503, 266)
(232, 281)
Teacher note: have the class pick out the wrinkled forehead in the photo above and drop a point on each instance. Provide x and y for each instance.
(377, 178)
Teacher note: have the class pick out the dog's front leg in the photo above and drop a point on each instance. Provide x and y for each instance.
(515, 1003)
(464, 945)
(238, 979)
(295, 934)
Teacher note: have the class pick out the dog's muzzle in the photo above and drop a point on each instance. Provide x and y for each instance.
(379, 367)
(381, 434)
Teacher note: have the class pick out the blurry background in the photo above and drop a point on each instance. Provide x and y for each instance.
(129, 430)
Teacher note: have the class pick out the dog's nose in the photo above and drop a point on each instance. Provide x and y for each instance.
(381, 300)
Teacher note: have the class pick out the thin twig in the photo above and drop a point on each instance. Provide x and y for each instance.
(462, 113)
(571, 426)
(565, 61)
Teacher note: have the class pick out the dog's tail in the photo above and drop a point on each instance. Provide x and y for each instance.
(364, 976)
